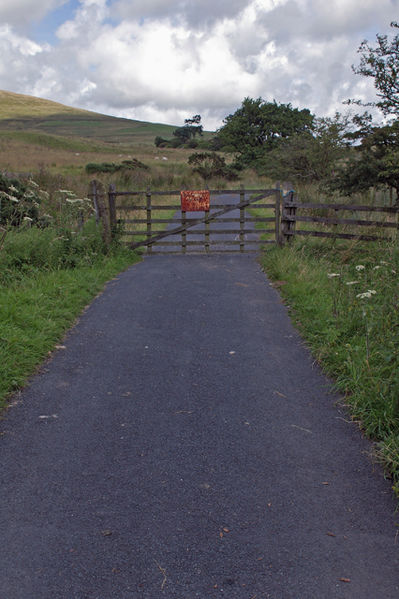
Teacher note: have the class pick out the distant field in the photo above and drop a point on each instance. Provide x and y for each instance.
(54, 143)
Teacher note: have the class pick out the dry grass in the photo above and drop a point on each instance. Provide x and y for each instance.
(14, 105)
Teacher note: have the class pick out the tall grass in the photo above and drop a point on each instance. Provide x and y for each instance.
(344, 298)
(47, 276)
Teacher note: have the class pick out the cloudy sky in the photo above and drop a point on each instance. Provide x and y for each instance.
(165, 60)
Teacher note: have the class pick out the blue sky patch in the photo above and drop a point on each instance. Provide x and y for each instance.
(45, 30)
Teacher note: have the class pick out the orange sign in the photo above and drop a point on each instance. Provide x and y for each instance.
(195, 201)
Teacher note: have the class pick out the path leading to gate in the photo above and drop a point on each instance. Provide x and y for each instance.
(184, 445)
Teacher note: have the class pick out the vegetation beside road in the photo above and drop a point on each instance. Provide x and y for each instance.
(47, 277)
(344, 298)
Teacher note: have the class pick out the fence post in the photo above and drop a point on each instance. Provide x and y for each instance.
(97, 193)
(288, 216)
(242, 220)
(112, 208)
(149, 219)
(93, 195)
(81, 220)
(277, 214)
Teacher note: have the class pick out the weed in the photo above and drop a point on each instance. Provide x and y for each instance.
(345, 300)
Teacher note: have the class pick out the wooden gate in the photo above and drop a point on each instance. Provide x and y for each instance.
(235, 221)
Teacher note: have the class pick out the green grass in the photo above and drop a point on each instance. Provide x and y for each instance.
(23, 113)
(55, 142)
(46, 281)
(355, 339)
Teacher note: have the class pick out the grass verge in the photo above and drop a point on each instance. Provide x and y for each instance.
(344, 298)
(37, 309)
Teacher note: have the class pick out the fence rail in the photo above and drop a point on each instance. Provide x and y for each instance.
(287, 215)
(292, 214)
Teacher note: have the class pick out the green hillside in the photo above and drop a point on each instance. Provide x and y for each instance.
(19, 112)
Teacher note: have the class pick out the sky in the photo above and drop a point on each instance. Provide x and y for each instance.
(166, 60)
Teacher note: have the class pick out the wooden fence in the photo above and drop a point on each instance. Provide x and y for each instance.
(328, 220)
(294, 212)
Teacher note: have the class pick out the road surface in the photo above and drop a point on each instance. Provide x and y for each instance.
(183, 444)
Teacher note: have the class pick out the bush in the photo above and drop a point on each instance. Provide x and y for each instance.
(112, 167)
(33, 249)
(210, 164)
(19, 201)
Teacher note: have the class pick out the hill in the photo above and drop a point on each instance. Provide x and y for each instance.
(20, 112)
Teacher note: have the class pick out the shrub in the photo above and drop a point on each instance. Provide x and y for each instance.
(210, 164)
(19, 201)
(112, 167)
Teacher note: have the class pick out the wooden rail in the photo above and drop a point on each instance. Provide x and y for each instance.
(145, 213)
(291, 215)
(287, 213)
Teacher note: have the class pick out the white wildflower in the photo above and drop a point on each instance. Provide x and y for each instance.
(360, 267)
(366, 294)
(67, 192)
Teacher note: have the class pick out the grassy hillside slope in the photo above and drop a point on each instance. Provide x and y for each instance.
(19, 112)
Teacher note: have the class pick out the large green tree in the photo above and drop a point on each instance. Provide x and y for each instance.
(375, 163)
(311, 155)
(258, 126)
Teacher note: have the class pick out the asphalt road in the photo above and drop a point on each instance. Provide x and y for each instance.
(183, 444)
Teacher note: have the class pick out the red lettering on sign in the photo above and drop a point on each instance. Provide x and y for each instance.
(195, 201)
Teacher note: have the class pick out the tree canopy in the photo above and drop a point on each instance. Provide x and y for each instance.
(258, 126)
(311, 155)
(183, 136)
(382, 64)
(375, 161)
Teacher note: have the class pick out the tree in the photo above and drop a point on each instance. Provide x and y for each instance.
(311, 155)
(210, 164)
(382, 64)
(374, 163)
(258, 126)
(160, 142)
(191, 128)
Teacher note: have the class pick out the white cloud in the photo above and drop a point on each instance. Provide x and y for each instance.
(194, 13)
(164, 60)
(19, 13)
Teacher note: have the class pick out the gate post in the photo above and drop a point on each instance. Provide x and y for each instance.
(288, 216)
(242, 219)
(93, 195)
(97, 193)
(112, 208)
(277, 214)
(149, 217)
